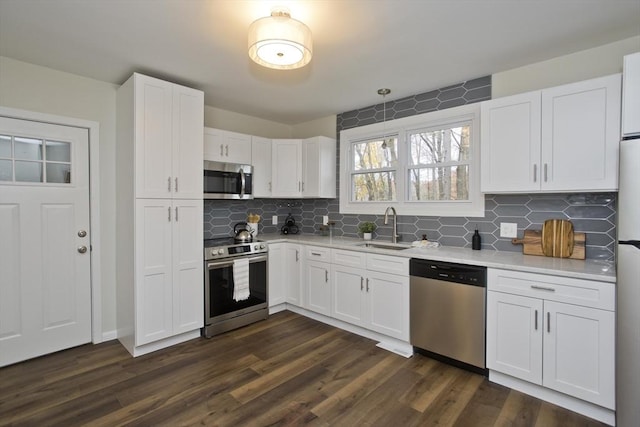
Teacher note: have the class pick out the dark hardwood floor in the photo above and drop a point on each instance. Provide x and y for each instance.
(288, 370)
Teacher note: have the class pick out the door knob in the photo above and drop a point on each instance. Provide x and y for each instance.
(82, 249)
(82, 233)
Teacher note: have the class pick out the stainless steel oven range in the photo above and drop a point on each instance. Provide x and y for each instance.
(235, 284)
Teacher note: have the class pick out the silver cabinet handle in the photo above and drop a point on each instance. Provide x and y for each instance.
(303, 186)
(361, 283)
(176, 184)
(536, 321)
(82, 249)
(176, 214)
(221, 150)
(299, 186)
(226, 150)
(535, 173)
(169, 214)
(82, 233)
(316, 254)
(542, 288)
(367, 284)
(326, 276)
(297, 256)
(545, 172)
(169, 184)
(549, 321)
(269, 185)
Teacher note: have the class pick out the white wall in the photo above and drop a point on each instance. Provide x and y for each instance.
(324, 126)
(236, 122)
(31, 87)
(583, 65)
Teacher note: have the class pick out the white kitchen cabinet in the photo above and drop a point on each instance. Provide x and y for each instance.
(631, 95)
(159, 214)
(293, 273)
(284, 274)
(168, 268)
(165, 124)
(367, 297)
(228, 147)
(304, 168)
(317, 286)
(554, 332)
(556, 140)
(261, 162)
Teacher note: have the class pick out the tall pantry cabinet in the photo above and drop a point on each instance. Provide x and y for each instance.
(159, 213)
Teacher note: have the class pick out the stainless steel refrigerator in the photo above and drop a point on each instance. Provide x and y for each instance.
(628, 252)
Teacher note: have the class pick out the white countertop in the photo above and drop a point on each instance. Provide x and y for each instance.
(603, 271)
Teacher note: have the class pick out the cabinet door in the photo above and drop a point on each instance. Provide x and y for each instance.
(213, 145)
(286, 171)
(387, 302)
(580, 135)
(188, 297)
(237, 148)
(153, 284)
(188, 123)
(631, 95)
(579, 354)
(292, 273)
(261, 158)
(319, 167)
(277, 274)
(348, 294)
(514, 335)
(510, 143)
(318, 295)
(153, 100)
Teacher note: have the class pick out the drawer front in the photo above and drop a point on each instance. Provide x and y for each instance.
(586, 293)
(388, 264)
(317, 253)
(348, 258)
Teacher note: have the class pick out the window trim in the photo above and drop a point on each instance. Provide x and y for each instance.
(474, 207)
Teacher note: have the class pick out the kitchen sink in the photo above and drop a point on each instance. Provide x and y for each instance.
(390, 246)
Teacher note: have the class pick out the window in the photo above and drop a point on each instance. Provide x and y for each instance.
(30, 160)
(426, 164)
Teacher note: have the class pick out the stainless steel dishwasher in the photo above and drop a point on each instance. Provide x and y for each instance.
(448, 312)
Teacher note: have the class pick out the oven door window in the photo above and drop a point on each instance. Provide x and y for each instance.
(221, 286)
(218, 182)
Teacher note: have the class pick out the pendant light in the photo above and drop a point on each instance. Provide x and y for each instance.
(384, 92)
(279, 41)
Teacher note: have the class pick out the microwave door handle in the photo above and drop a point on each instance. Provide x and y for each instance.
(243, 182)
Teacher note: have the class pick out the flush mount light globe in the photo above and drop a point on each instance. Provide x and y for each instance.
(280, 42)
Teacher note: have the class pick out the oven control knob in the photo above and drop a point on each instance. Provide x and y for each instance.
(262, 246)
(220, 251)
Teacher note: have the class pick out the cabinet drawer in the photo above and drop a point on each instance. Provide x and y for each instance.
(317, 253)
(581, 292)
(348, 258)
(388, 264)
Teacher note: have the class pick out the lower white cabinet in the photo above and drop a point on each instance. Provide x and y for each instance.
(554, 332)
(168, 296)
(318, 287)
(284, 273)
(371, 299)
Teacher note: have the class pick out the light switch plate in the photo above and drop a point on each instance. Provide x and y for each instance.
(325, 219)
(509, 229)
(274, 220)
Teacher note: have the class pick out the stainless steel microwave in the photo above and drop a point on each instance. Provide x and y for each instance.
(227, 181)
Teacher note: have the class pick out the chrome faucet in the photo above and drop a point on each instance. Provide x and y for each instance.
(394, 234)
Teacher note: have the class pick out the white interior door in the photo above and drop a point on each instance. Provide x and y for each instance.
(45, 286)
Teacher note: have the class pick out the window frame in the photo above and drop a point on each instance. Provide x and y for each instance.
(473, 207)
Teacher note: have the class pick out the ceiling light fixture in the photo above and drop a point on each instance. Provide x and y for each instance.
(279, 41)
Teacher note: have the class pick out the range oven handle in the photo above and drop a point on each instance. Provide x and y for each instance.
(243, 183)
(229, 263)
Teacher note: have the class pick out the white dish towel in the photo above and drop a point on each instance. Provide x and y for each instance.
(240, 279)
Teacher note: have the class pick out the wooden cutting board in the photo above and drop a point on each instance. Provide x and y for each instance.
(557, 238)
(532, 244)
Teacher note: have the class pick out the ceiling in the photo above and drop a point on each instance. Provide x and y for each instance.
(409, 46)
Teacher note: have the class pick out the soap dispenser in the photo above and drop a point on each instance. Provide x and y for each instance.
(476, 240)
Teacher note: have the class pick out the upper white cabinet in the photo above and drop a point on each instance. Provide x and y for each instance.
(631, 95)
(225, 146)
(304, 167)
(556, 140)
(261, 157)
(164, 124)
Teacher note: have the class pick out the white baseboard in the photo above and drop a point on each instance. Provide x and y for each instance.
(109, 336)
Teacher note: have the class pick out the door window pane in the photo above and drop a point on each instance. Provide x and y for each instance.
(28, 171)
(5, 146)
(439, 183)
(6, 170)
(58, 173)
(374, 186)
(28, 148)
(58, 151)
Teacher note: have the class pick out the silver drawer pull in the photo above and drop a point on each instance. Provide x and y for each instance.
(316, 254)
(542, 288)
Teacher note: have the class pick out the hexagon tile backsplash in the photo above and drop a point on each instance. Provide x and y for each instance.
(591, 213)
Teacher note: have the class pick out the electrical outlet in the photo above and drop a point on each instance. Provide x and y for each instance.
(509, 229)
(274, 220)
(325, 219)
